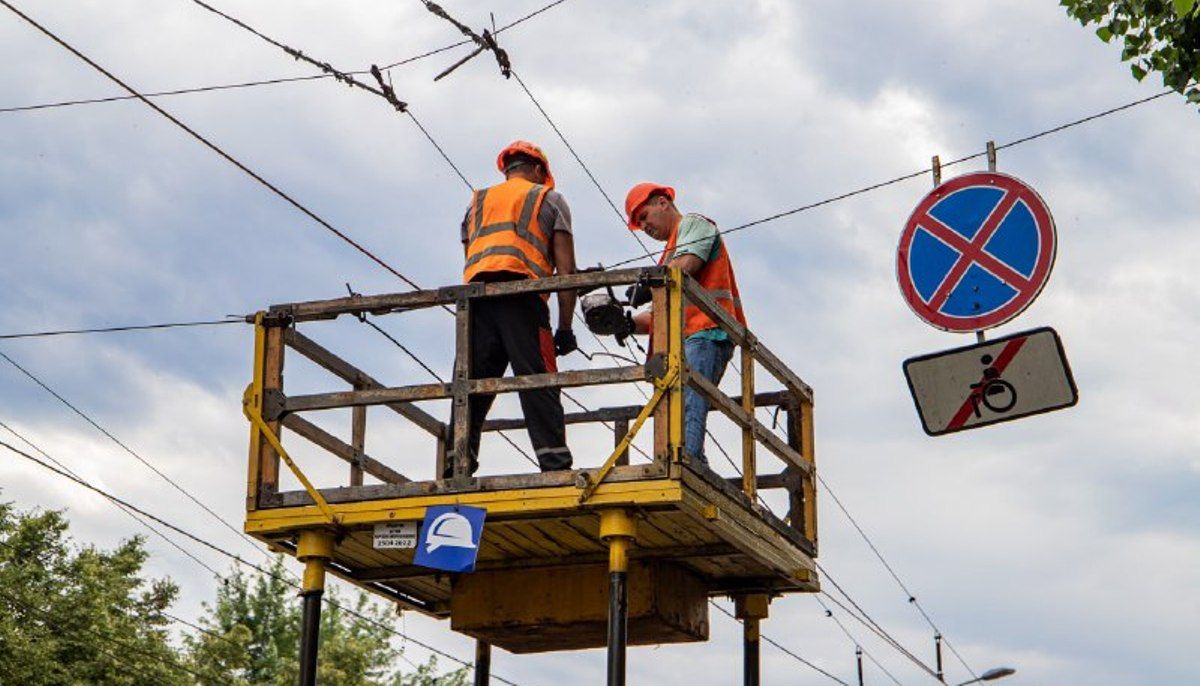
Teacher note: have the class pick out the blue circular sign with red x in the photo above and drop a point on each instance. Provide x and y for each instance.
(975, 252)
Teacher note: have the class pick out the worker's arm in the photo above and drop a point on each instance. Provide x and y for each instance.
(688, 264)
(563, 245)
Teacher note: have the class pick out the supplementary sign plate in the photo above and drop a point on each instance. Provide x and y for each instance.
(401, 535)
(975, 252)
(997, 381)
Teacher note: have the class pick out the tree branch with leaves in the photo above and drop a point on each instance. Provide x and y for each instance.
(1160, 36)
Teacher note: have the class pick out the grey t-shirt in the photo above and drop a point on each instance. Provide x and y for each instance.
(554, 215)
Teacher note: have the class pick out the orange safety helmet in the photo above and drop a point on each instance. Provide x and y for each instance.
(639, 194)
(526, 148)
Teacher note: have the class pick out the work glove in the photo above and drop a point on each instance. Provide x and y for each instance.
(626, 330)
(564, 342)
(638, 295)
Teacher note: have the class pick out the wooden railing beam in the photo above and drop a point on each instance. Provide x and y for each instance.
(356, 377)
(340, 448)
(436, 391)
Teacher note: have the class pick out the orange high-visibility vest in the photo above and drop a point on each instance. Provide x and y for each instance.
(503, 234)
(716, 277)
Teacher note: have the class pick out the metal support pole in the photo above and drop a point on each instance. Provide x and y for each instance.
(750, 651)
(483, 663)
(314, 549)
(310, 629)
(937, 171)
(751, 609)
(618, 529)
(858, 658)
(937, 643)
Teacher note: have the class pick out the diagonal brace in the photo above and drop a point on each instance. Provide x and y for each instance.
(254, 414)
(661, 387)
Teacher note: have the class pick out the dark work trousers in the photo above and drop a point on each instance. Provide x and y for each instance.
(516, 330)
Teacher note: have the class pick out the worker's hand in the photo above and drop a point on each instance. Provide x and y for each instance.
(638, 294)
(564, 342)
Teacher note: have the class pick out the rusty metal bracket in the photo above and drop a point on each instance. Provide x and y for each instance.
(273, 401)
(657, 365)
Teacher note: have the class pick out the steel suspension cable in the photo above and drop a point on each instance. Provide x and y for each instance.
(115, 329)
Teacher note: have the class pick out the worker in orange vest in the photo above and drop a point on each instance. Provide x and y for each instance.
(520, 229)
(695, 246)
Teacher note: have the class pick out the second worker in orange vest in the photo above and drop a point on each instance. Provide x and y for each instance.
(520, 229)
(694, 245)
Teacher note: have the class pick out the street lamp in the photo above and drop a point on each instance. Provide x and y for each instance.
(997, 673)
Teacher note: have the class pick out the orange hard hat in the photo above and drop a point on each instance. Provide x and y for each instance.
(639, 194)
(526, 148)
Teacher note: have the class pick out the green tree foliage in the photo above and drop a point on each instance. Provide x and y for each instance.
(251, 637)
(1158, 35)
(79, 615)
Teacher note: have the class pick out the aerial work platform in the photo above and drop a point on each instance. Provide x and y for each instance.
(681, 532)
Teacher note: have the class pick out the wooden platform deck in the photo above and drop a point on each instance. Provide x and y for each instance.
(694, 519)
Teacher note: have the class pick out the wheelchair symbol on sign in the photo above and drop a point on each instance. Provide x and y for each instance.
(994, 393)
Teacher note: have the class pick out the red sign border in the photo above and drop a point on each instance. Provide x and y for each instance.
(1042, 268)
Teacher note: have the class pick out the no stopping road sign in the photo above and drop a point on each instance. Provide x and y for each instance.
(975, 252)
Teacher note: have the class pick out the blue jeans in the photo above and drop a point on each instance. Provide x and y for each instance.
(707, 358)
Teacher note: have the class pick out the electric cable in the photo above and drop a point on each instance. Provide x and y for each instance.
(346, 77)
(437, 376)
(129, 450)
(922, 172)
(232, 556)
(855, 641)
(262, 82)
(209, 144)
(113, 329)
(860, 616)
(766, 638)
(128, 513)
(590, 175)
(159, 94)
(912, 599)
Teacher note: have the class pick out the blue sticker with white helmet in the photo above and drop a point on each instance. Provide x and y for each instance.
(450, 537)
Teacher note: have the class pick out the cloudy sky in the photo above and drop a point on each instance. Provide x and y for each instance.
(1065, 545)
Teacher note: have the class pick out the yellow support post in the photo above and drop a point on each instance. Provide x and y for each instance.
(675, 360)
(749, 465)
(254, 396)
